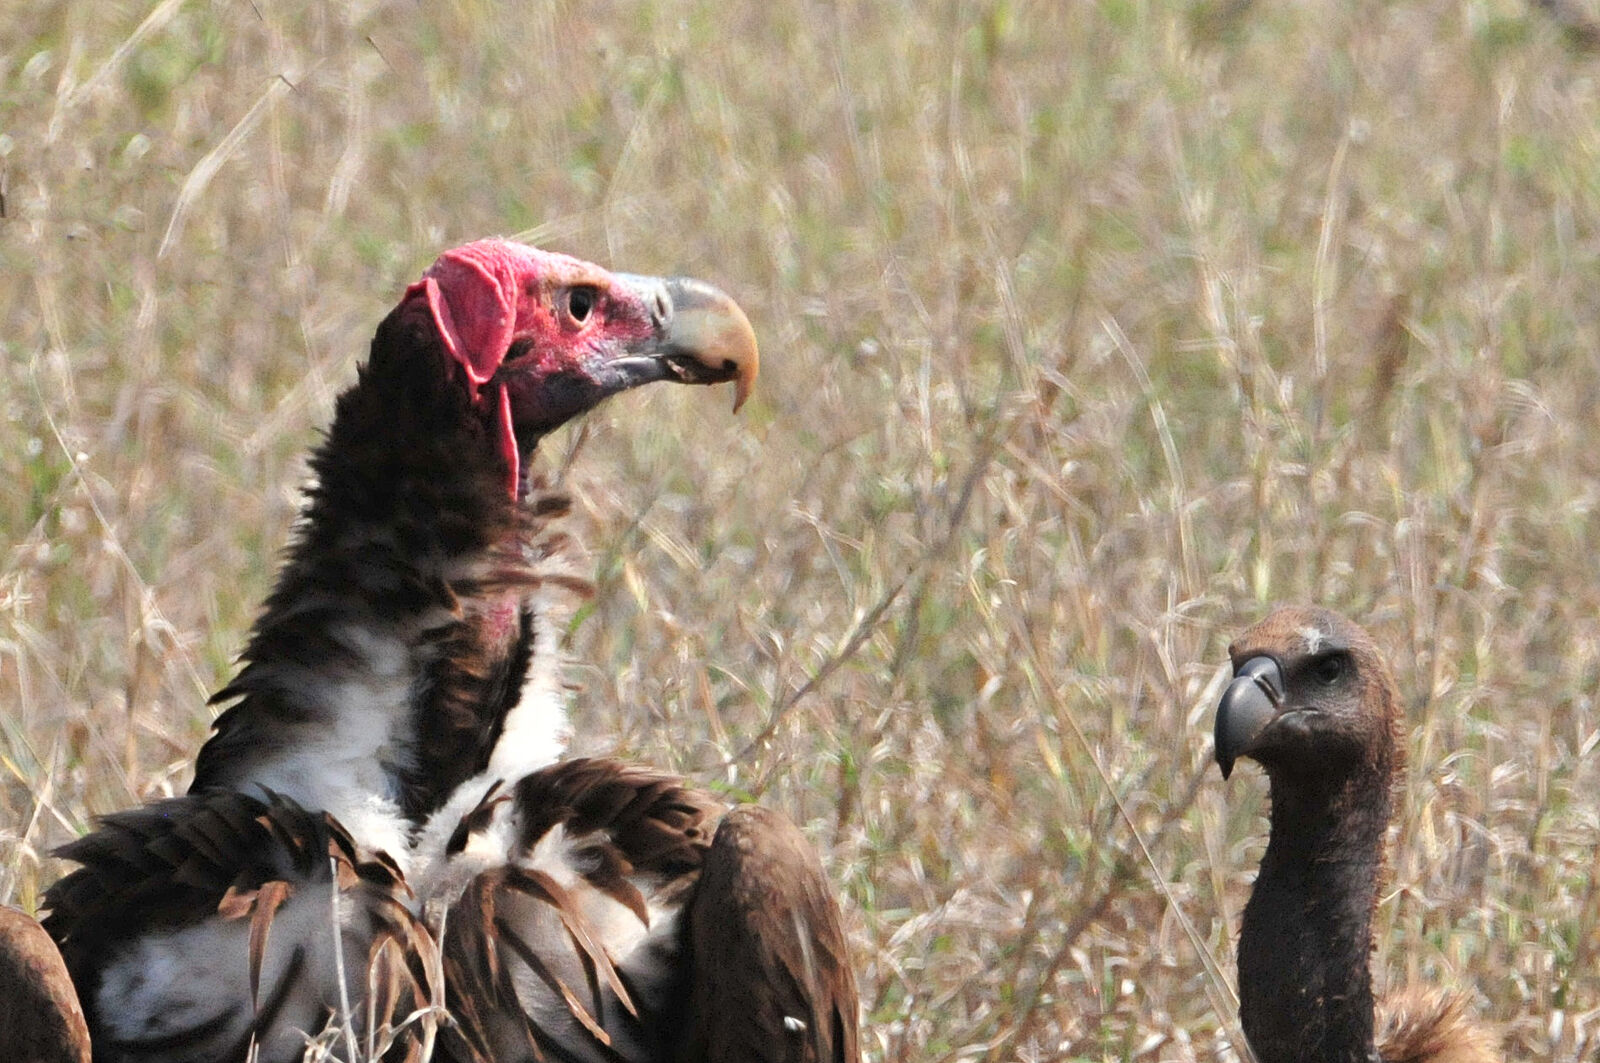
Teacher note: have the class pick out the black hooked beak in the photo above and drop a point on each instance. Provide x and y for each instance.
(1252, 700)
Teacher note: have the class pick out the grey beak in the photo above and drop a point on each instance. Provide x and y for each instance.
(1251, 702)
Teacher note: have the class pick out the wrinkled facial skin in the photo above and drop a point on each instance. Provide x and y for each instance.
(575, 326)
(542, 337)
(596, 333)
(1310, 695)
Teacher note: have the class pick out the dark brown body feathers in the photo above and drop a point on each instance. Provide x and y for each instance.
(764, 917)
(40, 1019)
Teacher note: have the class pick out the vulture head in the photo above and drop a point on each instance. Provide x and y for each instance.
(435, 579)
(1313, 701)
(540, 337)
(1311, 697)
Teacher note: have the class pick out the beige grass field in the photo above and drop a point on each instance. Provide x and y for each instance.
(1091, 330)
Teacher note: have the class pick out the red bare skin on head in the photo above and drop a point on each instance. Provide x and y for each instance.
(489, 295)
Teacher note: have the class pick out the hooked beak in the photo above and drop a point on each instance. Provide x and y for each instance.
(1253, 700)
(701, 336)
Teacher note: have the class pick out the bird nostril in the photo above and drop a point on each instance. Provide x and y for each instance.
(1266, 687)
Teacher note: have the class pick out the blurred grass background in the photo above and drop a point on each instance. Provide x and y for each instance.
(1091, 330)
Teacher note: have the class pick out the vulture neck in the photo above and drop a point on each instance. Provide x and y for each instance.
(1305, 981)
(410, 627)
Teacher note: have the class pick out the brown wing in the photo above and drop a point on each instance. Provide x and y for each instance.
(200, 925)
(40, 1021)
(566, 945)
(769, 970)
(1430, 1026)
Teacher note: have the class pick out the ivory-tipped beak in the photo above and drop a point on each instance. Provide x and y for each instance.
(708, 326)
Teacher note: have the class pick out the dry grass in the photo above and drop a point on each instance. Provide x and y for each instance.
(1092, 329)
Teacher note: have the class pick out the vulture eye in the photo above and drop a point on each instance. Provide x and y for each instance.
(581, 303)
(1330, 669)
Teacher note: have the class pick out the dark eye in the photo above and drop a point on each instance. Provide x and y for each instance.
(581, 303)
(1329, 670)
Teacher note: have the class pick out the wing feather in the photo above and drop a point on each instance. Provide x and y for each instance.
(198, 925)
(599, 850)
(41, 1019)
(767, 943)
